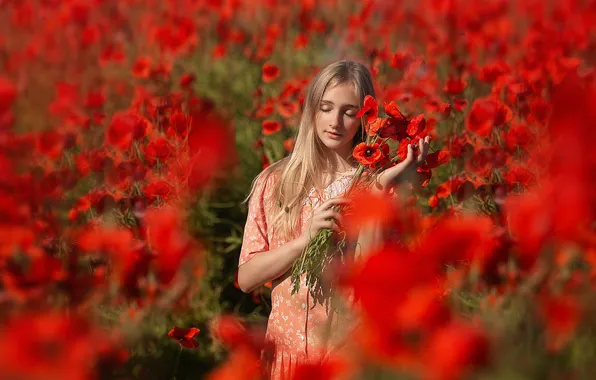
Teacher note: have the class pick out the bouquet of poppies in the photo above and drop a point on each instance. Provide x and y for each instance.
(374, 155)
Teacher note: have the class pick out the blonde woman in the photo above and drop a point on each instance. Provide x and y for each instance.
(306, 184)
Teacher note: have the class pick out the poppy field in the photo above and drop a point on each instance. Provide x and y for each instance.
(131, 130)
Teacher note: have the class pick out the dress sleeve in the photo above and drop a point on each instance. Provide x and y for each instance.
(255, 238)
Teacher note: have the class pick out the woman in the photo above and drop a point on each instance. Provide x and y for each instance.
(306, 185)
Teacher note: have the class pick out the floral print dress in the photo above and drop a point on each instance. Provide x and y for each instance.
(296, 329)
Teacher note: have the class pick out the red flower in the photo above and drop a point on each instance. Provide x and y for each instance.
(50, 143)
(454, 86)
(485, 115)
(179, 124)
(521, 136)
(125, 127)
(169, 240)
(459, 104)
(435, 159)
(331, 368)
(287, 109)
(394, 128)
(370, 109)
(185, 336)
(141, 67)
(368, 154)
(392, 110)
(232, 332)
(186, 80)
(401, 60)
(8, 94)
(373, 128)
(49, 346)
(269, 72)
(159, 149)
(416, 125)
(455, 350)
(289, 144)
(561, 315)
(270, 127)
(445, 109)
(158, 188)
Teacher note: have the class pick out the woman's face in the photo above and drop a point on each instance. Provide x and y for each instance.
(336, 122)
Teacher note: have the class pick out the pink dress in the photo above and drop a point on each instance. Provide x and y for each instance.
(296, 328)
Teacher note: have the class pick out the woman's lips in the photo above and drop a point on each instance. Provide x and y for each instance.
(334, 136)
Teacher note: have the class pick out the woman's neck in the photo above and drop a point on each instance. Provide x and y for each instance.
(338, 164)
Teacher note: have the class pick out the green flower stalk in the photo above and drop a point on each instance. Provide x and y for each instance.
(319, 255)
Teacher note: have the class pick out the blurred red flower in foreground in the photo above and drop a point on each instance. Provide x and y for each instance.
(454, 350)
(185, 336)
(50, 346)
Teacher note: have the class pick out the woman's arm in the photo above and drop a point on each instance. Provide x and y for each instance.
(269, 265)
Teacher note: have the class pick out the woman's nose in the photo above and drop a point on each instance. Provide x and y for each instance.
(336, 120)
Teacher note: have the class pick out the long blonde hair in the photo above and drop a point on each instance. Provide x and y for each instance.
(302, 169)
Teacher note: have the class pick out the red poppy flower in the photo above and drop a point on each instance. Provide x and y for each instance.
(445, 109)
(185, 336)
(370, 109)
(485, 115)
(561, 315)
(159, 149)
(368, 154)
(289, 144)
(186, 80)
(179, 124)
(433, 201)
(50, 143)
(158, 188)
(269, 72)
(392, 110)
(416, 125)
(394, 128)
(270, 127)
(459, 104)
(331, 368)
(454, 86)
(373, 128)
(401, 60)
(301, 41)
(455, 350)
(125, 127)
(8, 94)
(287, 109)
(142, 67)
(435, 159)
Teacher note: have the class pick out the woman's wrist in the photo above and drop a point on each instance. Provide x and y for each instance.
(302, 242)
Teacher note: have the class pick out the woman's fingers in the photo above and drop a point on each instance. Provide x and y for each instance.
(334, 201)
(410, 155)
(424, 147)
(330, 214)
(331, 225)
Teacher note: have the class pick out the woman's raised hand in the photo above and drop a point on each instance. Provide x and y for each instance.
(407, 167)
(324, 216)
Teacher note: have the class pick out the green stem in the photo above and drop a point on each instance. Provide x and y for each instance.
(176, 365)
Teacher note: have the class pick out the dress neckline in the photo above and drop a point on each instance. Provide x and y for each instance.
(344, 173)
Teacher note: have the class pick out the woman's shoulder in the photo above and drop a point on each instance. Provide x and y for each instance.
(267, 178)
